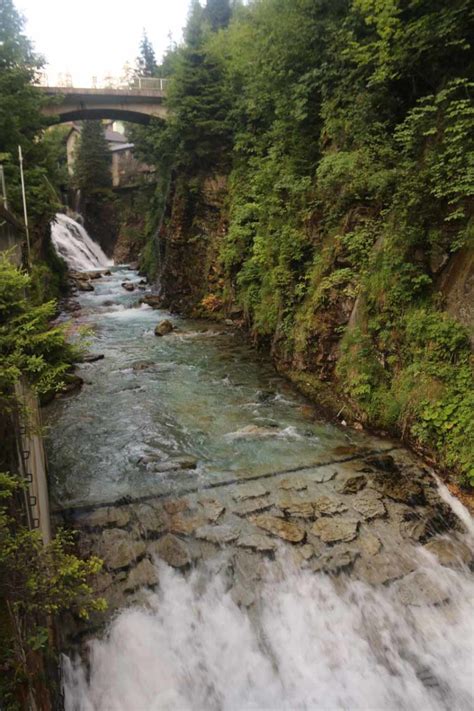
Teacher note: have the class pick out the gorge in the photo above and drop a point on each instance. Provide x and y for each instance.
(243, 537)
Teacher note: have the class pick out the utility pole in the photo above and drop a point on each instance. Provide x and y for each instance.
(4, 188)
(25, 212)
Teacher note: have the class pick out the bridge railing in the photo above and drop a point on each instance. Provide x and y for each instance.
(150, 83)
(140, 83)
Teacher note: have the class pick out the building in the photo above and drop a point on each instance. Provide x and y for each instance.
(126, 170)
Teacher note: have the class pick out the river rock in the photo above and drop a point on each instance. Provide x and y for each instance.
(399, 488)
(174, 506)
(334, 561)
(185, 525)
(128, 286)
(287, 530)
(257, 542)
(144, 574)
(418, 589)
(369, 544)
(352, 485)
(294, 482)
(254, 432)
(185, 462)
(105, 516)
(225, 533)
(327, 506)
(150, 518)
(332, 530)
(84, 285)
(250, 490)
(294, 506)
(383, 568)
(252, 505)
(92, 357)
(172, 550)
(118, 549)
(242, 595)
(449, 552)
(369, 504)
(163, 328)
(152, 300)
(212, 509)
(414, 527)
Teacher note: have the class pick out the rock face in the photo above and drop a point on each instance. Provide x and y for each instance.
(279, 527)
(218, 534)
(324, 505)
(152, 300)
(163, 328)
(144, 574)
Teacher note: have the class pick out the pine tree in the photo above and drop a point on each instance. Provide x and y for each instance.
(93, 159)
(218, 13)
(146, 60)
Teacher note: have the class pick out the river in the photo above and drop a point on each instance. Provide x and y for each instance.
(256, 556)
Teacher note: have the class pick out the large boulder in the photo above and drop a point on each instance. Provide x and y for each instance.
(163, 328)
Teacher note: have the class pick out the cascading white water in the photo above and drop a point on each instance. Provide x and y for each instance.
(75, 246)
(312, 646)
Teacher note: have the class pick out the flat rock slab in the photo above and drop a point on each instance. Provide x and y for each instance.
(257, 542)
(333, 530)
(179, 523)
(399, 488)
(295, 506)
(150, 518)
(352, 484)
(327, 506)
(369, 504)
(383, 568)
(418, 589)
(118, 549)
(334, 561)
(224, 533)
(369, 544)
(250, 490)
(212, 509)
(293, 482)
(144, 574)
(279, 527)
(109, 516)
(451, 553)
(172, 550)
(248, 506)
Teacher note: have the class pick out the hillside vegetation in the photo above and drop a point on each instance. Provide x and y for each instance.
(317, 173)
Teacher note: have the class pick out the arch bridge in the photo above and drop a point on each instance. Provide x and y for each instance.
(138, 103)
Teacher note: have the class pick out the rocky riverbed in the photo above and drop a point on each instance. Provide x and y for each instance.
(187, 453)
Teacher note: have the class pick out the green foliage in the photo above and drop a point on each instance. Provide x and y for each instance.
(345, 129)
(37, 582)
(92, 165)
(29, 347)
(146, 60)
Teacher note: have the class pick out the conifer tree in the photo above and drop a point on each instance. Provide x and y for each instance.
(93, 159)
(146, 60)
(218, 13)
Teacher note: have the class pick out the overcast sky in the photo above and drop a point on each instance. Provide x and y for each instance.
(89, 38)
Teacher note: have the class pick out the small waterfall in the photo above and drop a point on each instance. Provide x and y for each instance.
(75, 246)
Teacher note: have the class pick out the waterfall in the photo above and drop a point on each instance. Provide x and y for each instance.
(75, 246)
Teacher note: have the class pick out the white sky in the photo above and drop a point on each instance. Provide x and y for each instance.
(89, 38)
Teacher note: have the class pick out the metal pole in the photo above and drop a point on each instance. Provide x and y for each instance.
(4, 188)
(25, 212)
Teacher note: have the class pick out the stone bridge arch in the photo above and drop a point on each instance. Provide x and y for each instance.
(138, 105)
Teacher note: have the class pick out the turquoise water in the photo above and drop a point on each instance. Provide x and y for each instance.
(201, 392)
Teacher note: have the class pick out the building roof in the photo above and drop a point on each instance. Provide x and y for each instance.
(114, 136)
(121, 147)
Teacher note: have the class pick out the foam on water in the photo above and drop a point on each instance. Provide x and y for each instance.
(310, 644)
(75, 246)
